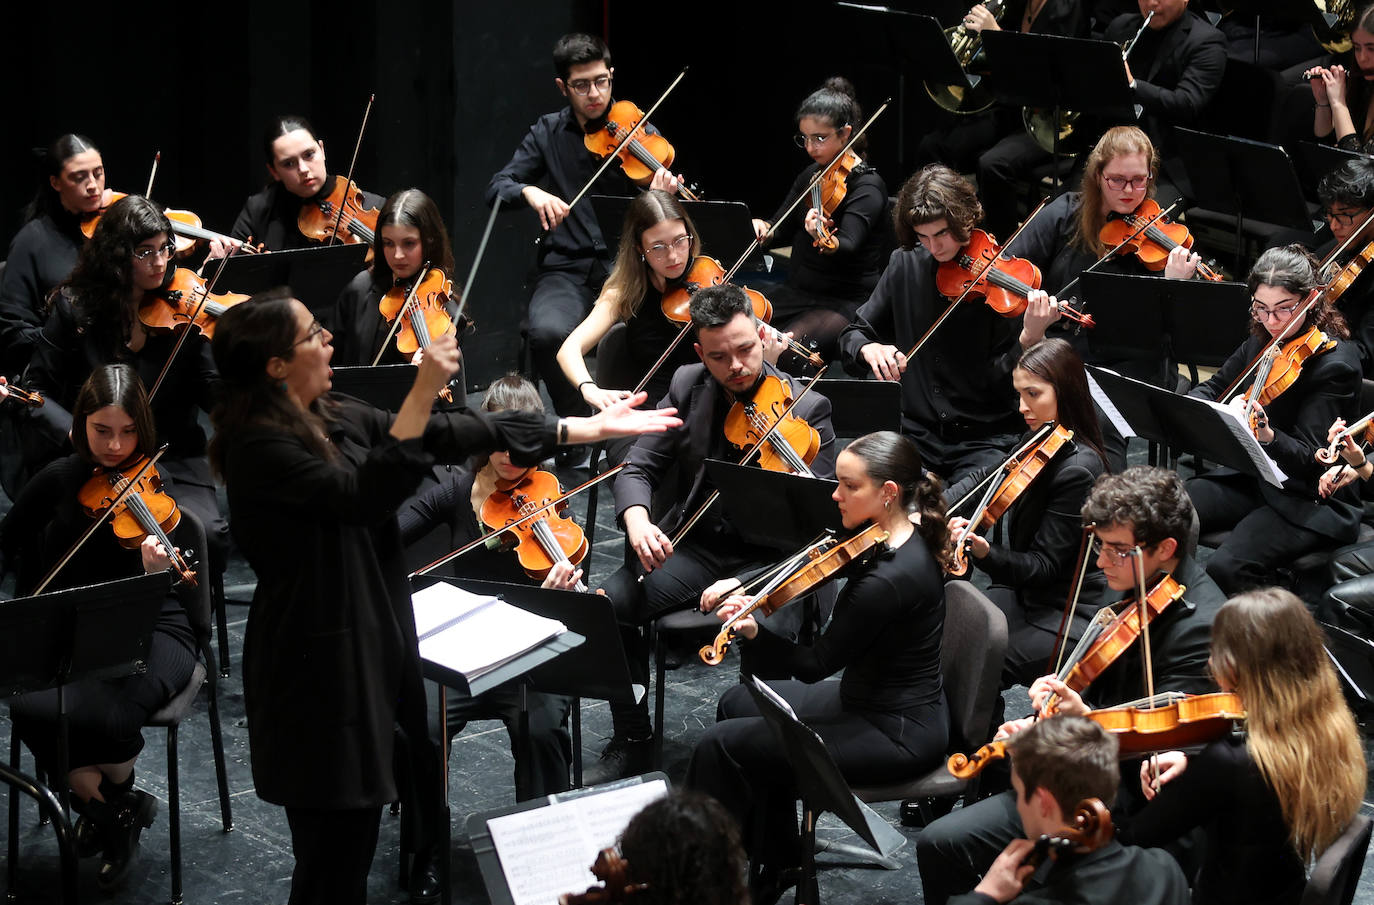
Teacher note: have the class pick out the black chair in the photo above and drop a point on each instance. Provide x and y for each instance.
(197, 603)
(971, 654)
(1337, 872)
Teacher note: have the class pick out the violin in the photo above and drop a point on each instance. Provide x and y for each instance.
(818, 564)
(1331, 453)
(981, 272)
(643, 155)
(1348, 274)
(186, 299)
(829, 193)
(1279, 370)
(1090, 830)
(1154, 243)
(795, 443)
(1020, 470)
(425, 306)
(548, 538)
(145, 511)
(31, 398)
(187, 228)
(340, 216)
(614, 873)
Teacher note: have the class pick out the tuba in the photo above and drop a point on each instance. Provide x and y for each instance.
(1338, 20)
(967, 45)
(1042, 124)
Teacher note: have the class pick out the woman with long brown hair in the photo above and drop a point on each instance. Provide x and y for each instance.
(1273, 800)
(1032, 570)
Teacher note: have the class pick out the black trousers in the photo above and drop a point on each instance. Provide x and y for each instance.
(560, 301)
(739, 762)
(333, 850)
(1029, 647)
(952, 457)
(545, 770)
(815, 321)
(955, 851)
(1261, 539)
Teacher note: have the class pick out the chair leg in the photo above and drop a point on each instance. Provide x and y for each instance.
(221, 620)
(174, 813)
(14, 820)
(221, 770)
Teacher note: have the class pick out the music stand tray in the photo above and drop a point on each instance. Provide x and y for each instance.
(774, 509)
(384, 387)
(921, 41)
(861, 405)
(1197, 322)
(559, 845)
(725, 228)
(316, 275)
(1047, 71)
(1249, 180)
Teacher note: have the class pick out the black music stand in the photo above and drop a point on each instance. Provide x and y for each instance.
(316, 275)
(774, 509)
(561, 849)
(862, 405)
(1058, 74)
(48, 641)
(725, 228)
(1185, 423)
(1151, 318)
(384, 387)
(1242, 178)
(822, 786)
(596, 669)
(1313, 161)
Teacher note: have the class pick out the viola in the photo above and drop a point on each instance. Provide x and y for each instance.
(829, 193)
(1024, 466)
(1152, 246)
(981, 272)
(1279, 369)
(790, 448)
(614, 873)
(340, 216)
(819, 563)
(550, 537)
(1090, 830)
(640, 157)
(1363, 428)
(144, 512)
(186, 299)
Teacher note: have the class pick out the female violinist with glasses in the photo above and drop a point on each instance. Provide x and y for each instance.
(1314, 380)
(1033, 570)
(313, 484)
(112, 427)
(1272, 800)
(837, 252)
(885, 720)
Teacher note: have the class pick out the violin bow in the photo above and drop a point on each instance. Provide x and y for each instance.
(152, 174)
(357, 145)
(1061, 637)
(930, 331)
(481, 541)
(1041, 433)
(477, 260)
(191, 322)
(739, 262)
(403, 311)
(1349, 240)
(1120, 245)
(629, 137)
(120, 497)
(1144, 616)
(748, 457)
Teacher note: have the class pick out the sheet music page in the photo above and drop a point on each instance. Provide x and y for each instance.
(773, 696)
(472, 634)
(548, 851)
(1270, 469)
(1109, 408)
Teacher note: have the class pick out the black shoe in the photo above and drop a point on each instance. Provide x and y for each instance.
(132, 812)
(425, 886)
(767, 883)
(620, 758)
(87, 840)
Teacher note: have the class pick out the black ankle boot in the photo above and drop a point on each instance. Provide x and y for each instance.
(122, 817)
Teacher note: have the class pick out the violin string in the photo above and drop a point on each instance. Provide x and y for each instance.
(396, 321)
(780, 446)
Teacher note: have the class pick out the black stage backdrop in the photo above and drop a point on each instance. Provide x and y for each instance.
(456, 84)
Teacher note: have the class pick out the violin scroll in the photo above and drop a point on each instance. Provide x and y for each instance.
(967, 766)
(713, 654)
(614, 873)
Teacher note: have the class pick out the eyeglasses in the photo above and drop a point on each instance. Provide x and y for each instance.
(1118, 555)
(1343, 218)
(1281, 312)
(583, 87)
(1121, 183)
(817, 140)
(660, 250)
(316, 328)
(142, 254)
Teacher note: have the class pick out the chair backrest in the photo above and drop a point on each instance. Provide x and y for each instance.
(971, 654)
(613, 367)
(1338, 870)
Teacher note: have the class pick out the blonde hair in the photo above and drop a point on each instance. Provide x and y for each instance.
(1116, 142)
(629, 277)
(1299, 731)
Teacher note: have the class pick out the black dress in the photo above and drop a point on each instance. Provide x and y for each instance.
(43, 254)
(106, 717)
(884, 721)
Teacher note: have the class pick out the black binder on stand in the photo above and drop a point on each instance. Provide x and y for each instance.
(316, 275)
(774, 509)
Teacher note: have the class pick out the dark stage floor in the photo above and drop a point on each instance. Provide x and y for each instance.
(253, 863)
